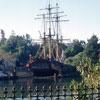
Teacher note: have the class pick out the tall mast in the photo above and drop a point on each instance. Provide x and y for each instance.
(57, 30)
(57, 41)
(44, 40)
(49, 9)
(48, 17)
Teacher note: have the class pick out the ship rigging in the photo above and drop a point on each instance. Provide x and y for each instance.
(48, 37)
(49, 64)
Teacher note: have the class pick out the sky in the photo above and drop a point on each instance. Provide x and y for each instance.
(19, 16)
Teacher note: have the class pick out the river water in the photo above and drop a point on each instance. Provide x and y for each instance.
(26, 82)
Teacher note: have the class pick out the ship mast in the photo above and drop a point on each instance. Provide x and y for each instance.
(47, 17)
(49, 10)
(57, 30)
(44, 40)
(50, 36)
(57, 41)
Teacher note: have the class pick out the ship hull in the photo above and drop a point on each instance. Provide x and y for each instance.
(45, 67)
(44, 72)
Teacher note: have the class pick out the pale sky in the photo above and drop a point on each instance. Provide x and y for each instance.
(84, 16)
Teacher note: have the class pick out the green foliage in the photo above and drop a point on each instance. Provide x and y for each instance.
(3, 39)
(88, 62)
(80, 88)
(7, 56)
(92, 49)
(89, 71)
(20, 46)
(73, 61)
(4, 47)
(78, 46)
(69, 52)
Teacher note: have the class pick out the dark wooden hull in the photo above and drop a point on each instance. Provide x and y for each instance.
(44, 72)
(44, 67)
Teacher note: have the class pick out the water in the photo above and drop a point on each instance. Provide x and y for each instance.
(26, 82)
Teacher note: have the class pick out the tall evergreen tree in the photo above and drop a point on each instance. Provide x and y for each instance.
(3, 39)
(92, 49)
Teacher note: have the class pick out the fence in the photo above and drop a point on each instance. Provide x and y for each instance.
(52, 93)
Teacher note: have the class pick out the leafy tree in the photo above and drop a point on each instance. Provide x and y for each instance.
(21, 47)
(90, 72)
(69, 52)
(78, 46)
(74, 61)
(3, 39)
(92, 49)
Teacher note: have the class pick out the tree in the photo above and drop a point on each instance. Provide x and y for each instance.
(3, 39)
(78, 46)
(90, 72)
(92, 49)
(20, 46)
(74, 61)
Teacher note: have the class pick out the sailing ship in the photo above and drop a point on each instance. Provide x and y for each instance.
(50, 64)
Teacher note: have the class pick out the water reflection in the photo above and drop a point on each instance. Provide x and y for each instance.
(26, 82)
